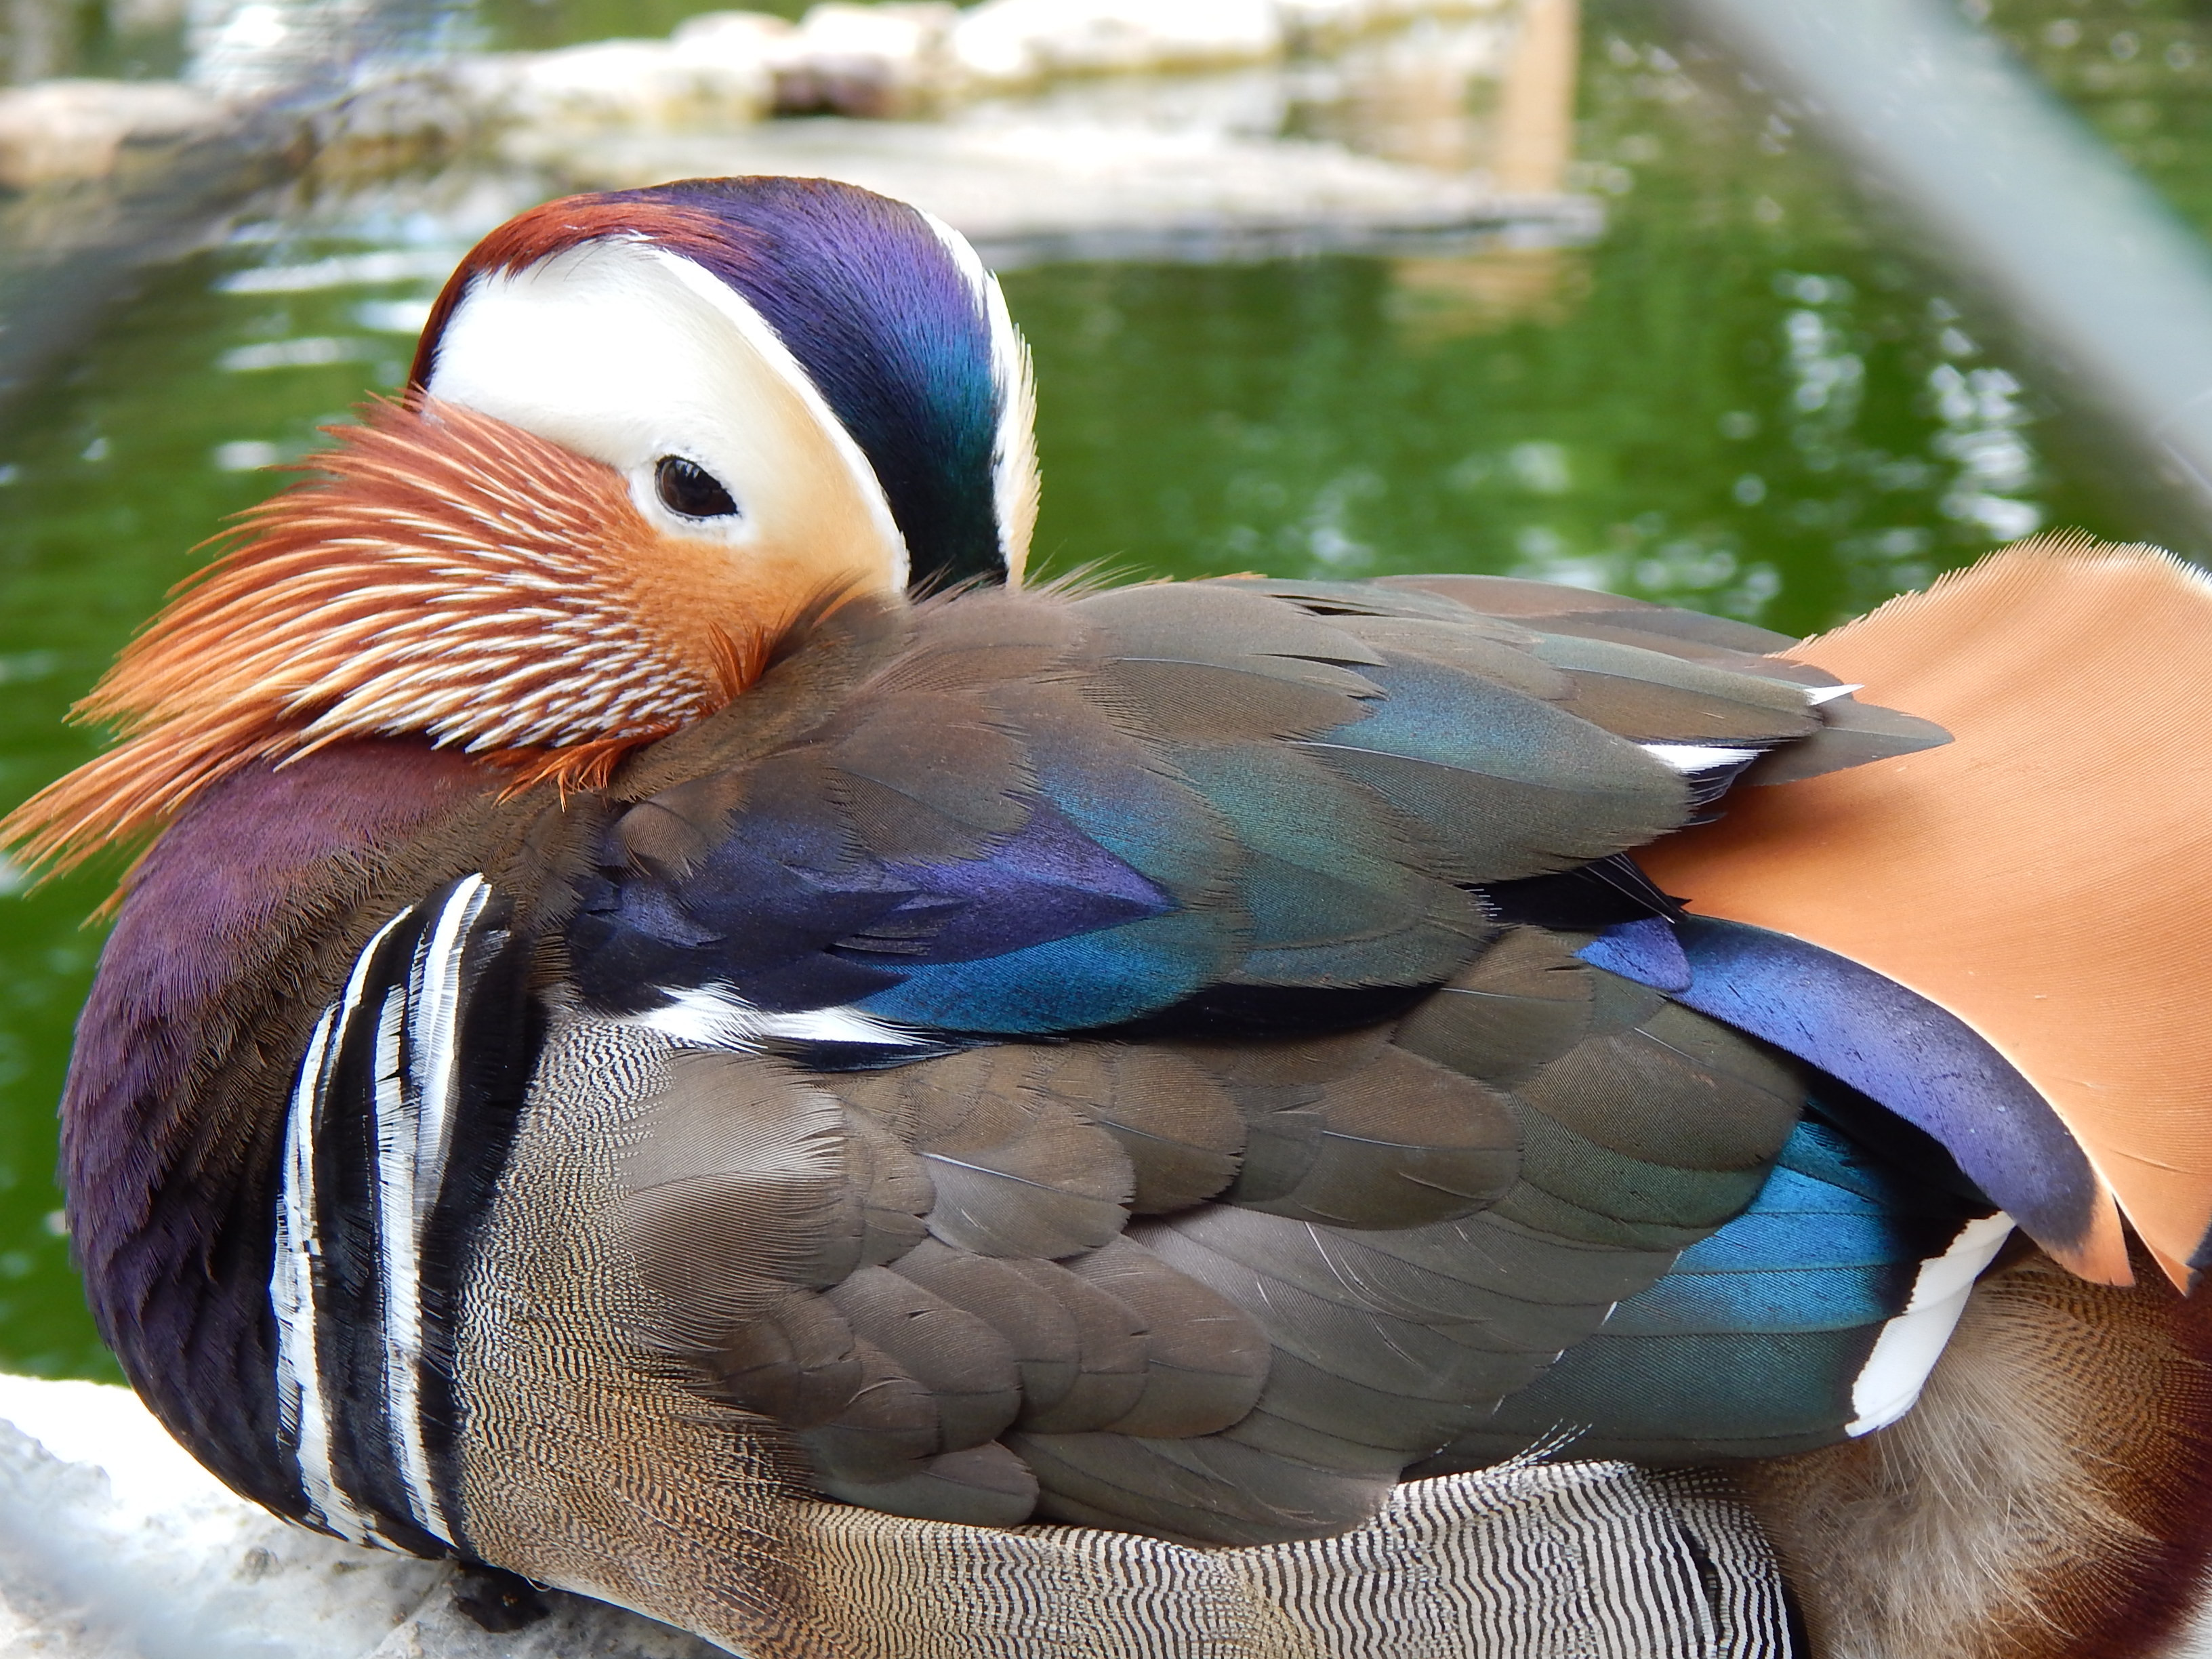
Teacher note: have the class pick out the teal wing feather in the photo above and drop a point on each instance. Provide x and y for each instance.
(1763, 1339)
(1046, 815)
(1215, 1144)
(1357, 1247)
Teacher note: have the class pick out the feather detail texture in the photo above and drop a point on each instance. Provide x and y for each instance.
(720, 1061)
(2044, 1500)
(1088, 1058)
(1050, 814)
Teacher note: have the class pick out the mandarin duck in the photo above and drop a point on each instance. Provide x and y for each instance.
(686, 1036)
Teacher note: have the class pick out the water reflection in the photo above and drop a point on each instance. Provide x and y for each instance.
(1433, 300)
(1740, 399)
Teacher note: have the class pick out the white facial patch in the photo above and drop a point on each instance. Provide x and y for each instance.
(626, 353)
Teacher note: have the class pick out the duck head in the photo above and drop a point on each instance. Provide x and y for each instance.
(646, 432)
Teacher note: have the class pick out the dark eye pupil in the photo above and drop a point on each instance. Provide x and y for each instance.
(686, 487)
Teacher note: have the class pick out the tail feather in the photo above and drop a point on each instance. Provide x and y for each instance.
(2044, 875)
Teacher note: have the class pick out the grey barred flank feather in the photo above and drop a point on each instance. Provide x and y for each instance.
(637, 1490)
(1529, 1561)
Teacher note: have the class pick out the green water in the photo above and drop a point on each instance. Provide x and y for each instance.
(1751, 395)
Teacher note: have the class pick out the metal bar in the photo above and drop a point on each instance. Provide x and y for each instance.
(2089, 262)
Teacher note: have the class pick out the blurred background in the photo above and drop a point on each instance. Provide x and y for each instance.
(1768, 308)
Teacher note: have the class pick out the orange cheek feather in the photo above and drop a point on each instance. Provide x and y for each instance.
(454, 577)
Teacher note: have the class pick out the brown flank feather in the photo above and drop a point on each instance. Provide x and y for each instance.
(2042, 876)
(2044, 1500)
(455, 577)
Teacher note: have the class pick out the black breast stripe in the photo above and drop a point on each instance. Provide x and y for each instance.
(350, 1301)
(401, 1121)
(299, 1280)
(497, 1031)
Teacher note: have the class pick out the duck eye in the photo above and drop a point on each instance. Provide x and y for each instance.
(689, 488)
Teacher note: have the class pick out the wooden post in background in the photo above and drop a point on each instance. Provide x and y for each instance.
(1536, 105)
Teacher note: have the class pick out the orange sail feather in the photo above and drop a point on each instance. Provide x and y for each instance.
(2044, 875)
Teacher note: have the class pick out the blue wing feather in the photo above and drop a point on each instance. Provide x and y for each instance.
(1918, 1059)
(1753, 1344)
(1073, 983)
(993, 849)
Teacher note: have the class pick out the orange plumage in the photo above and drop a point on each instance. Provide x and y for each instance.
(2025, 876)
(454, 576)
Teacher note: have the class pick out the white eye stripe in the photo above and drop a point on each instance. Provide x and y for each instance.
(1014, 481)
(756, 331)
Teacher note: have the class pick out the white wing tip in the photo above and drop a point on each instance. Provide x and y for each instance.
(1691, 758)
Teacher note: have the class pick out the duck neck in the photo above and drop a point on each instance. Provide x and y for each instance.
(176, 1093)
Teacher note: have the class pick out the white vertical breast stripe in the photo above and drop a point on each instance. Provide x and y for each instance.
(396, 1137)
(415, 1096)
(436, 991)
(300, 1403)
(302, 1406)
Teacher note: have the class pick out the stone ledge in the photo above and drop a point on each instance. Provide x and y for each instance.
(115, 1544)
(717, 72)
(1030, 187)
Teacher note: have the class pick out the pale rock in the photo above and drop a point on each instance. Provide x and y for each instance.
(1031, 185)
(63, 131)
(1009, 42)
(733, 34)
(735, 43)
(640, 84)
(115, 1544)
(1316, 24)
(891, 58)
(405, 117)
(244, 49)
